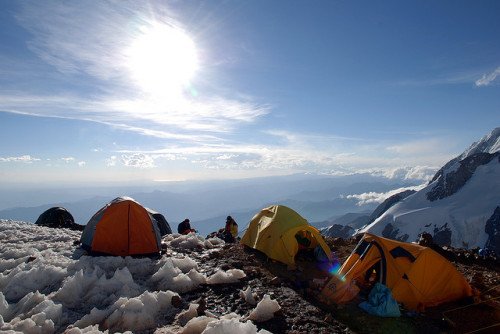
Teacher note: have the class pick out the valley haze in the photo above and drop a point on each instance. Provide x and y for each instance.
(206, 203)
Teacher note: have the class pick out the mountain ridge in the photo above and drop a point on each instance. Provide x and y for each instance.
(456, 204)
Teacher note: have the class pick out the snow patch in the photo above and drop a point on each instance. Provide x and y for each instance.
(265, 310)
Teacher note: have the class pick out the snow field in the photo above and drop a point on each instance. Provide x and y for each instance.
(49, 285)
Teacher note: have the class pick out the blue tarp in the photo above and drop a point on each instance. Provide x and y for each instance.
(381, 303)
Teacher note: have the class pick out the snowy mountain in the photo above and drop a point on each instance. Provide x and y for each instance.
(346, 225)
(460, 206)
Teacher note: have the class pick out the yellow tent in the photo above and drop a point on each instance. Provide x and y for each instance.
(276, 230)
(417, 276)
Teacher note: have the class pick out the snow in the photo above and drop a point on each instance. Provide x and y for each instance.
(49, 285)
(224, 277)
(191, 240)
(465, 213)
(248, 296)
(487, 144)
(229, 324)
(265, 309)
(232, 326)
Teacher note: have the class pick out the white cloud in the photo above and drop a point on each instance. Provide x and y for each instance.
(111, 161)
(68, 160)
(373, 197)
(487, 79)
(25, 159)
(81, 163)
(299, 154)
(92, 41)
(407, 173)
(226, 156)
(138, 160)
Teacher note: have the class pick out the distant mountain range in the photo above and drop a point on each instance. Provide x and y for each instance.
(207, 204)
(459, 207)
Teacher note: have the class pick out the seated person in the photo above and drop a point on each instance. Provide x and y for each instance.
(184, 227)
(302, 240)
(230, 231)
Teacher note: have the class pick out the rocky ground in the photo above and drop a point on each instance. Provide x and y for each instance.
(302, 312)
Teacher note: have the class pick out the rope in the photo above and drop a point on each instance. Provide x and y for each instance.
(491, 288)
(473, 304)
(480, 329)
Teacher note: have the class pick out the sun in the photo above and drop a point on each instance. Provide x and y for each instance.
(162, 59)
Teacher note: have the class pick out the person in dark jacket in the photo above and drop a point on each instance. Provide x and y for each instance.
(185, 227)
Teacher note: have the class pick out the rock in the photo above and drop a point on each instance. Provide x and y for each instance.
(275, 281)
(455, 174)
(329, 318)
(425, 240)
(492, 228)
(213, 255)
(202, 306)
(177, 301)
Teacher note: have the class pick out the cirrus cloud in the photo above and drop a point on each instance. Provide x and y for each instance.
(487, 79)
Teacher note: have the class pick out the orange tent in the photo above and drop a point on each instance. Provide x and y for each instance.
(417, 276)
(123, 227)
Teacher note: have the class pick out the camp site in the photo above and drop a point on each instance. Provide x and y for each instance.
(127, 271)
(249, 166)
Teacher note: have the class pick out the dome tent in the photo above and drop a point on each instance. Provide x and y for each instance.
(161, 221)
(58, 217)
(276, 231)
(122, 227)
(417, 276)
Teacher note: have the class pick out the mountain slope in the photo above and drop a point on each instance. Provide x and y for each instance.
(346, 226)
(455, 206)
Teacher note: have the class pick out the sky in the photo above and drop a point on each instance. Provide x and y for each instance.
(140, 91)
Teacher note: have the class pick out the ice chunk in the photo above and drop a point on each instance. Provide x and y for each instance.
(265, 309)
(232, 326)
(185, 264)
(248, 296)
(21, 282)
(190, 313)
(133, 314)
(197, 325)
(170, 277)
(224, 277)
(91, 289)
(3, 304)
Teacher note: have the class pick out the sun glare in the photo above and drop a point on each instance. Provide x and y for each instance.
(162, 59)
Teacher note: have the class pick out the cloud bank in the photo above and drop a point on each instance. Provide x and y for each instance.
(373, 197)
